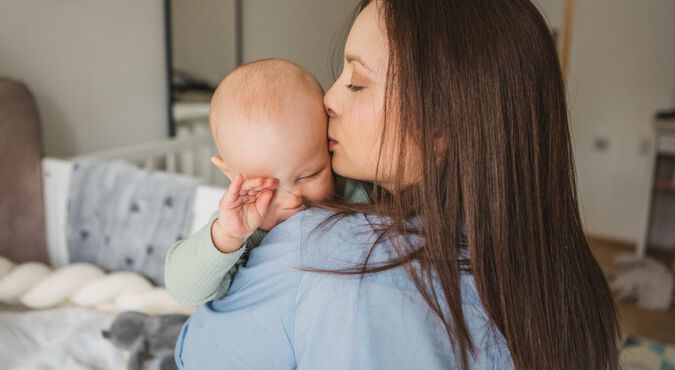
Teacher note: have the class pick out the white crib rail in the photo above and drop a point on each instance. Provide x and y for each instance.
(188, 155)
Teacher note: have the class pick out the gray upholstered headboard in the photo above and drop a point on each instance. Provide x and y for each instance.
(22, 226)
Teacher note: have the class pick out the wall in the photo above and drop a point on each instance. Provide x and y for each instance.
(203, 33)
(622, 69)
(304, 31)
(96, 68)
(554, 13)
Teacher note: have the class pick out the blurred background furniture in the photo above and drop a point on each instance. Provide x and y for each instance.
(34, 196)
(658, 238)
(22, 230)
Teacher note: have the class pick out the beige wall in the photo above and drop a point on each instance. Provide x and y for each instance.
(553, 10)
(304, 31)
(96, 68)
(203, 33)
(622, 69)
(554, 13)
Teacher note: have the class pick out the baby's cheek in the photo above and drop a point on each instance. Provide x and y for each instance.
(321, 189)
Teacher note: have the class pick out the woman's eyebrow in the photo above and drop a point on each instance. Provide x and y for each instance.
(356, 58)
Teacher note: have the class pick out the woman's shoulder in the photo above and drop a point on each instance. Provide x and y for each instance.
(385, 305)
(316, 232)
(336, 241)
(314, 239)
(354, 308)
(347, 242)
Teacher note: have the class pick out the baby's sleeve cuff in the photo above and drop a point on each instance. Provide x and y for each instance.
(208, 255)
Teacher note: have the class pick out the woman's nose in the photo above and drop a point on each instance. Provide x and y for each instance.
(328, 102)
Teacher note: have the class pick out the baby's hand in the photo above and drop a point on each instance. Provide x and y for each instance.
(241, 211)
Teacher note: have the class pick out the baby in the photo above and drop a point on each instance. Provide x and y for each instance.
(269, 125)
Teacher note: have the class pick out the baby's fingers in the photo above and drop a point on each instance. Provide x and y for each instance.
(254, 185)
(262, 204)
(233, 192)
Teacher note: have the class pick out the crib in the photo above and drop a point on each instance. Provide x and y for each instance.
(187, 154)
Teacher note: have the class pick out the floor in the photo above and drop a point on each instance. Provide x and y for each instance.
(659, 326)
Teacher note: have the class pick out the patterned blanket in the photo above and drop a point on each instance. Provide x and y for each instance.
(121, 217)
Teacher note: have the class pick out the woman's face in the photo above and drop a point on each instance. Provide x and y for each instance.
(355, 102)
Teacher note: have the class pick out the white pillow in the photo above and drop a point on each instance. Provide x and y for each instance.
(156, 301)
(108, 307)
(110, 287)
(5, 267)
(21, 279)
(60, 285)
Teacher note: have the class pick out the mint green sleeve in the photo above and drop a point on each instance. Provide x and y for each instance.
(196, 271)
(352, 191)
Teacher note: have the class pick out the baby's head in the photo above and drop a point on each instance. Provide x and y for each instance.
(268, 120)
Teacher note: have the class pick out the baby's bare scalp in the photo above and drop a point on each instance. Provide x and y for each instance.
(264, 105)
(262, 90)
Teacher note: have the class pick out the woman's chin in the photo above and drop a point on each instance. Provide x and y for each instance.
(338, 165)
(345, 168)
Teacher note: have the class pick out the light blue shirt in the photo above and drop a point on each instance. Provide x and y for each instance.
(276, 316)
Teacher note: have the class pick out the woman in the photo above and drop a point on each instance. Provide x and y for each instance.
(474, 96)
(455, 111)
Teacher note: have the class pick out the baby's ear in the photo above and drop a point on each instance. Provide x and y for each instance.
(218, 162)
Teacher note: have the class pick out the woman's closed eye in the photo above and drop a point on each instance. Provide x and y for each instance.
(354, 88)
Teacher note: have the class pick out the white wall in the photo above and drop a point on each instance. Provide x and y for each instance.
(97, 69)
(304, 31)
(622, 69)
(204, 42)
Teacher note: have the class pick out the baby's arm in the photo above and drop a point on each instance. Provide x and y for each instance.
(201, 268)
(196, 271)
(225, 281)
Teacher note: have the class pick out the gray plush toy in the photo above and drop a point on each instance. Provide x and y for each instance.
(150, 340)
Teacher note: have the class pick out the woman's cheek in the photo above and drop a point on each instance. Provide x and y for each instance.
(361, 119)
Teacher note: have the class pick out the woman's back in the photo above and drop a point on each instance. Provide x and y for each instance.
(278, 316)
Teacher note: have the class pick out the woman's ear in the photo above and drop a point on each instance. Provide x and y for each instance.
(218, 162)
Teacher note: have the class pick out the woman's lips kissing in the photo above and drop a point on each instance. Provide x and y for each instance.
(331, 144)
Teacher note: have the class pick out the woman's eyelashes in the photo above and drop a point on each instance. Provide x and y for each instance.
(358, 81)
(354, 88)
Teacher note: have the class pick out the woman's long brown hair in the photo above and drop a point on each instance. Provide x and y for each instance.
(480, 80)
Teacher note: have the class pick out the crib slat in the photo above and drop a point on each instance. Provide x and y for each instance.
(171, 162)
(188, 162)
(149, 164)
(189, 155)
